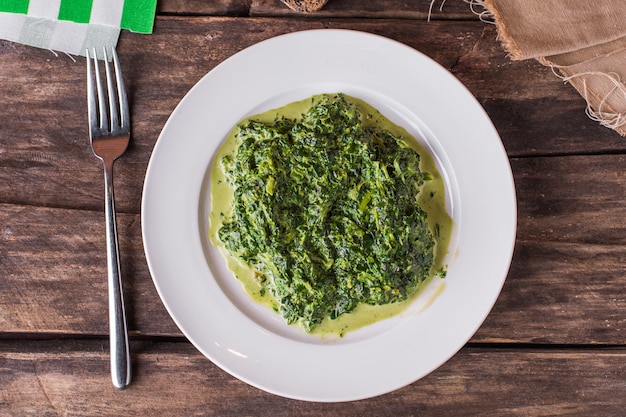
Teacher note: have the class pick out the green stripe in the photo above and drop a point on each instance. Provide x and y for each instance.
(14, 6)
(77, 11)
(138, 15)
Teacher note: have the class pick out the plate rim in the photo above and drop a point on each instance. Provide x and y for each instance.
(222, 356)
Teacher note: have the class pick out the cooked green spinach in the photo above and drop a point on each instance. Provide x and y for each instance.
(326, 210)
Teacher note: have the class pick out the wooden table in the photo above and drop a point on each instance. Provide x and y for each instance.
(554, 344)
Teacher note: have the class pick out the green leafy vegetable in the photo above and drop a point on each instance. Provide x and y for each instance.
(325, 209)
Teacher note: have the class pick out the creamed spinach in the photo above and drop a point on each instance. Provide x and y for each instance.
(325, 211)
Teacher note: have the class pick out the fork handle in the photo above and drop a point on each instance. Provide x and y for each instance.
(120, 353)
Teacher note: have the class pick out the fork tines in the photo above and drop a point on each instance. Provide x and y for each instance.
(117, 105)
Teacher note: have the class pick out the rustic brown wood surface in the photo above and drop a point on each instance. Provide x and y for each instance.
(554, 343)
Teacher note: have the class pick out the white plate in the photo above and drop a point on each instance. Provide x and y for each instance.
(249, 341)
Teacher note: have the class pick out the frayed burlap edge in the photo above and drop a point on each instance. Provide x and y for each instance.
(507, 41)
(598, 109)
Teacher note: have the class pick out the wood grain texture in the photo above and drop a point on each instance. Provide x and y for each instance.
(71, 379)
(399, 9)
(54, 274)
(571, 199)
(203, 7)
(396, 9)
(561, 293)
(554, 343)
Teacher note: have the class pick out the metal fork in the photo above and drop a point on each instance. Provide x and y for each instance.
(109, 130)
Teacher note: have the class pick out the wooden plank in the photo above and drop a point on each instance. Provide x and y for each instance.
(54, 278)
(72, 378)
(398, 9)
(571, 199)
(395, 9)
(560, 293)
(525, 125)
(207, 8)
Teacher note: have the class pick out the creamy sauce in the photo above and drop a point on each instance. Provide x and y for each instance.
(431, 199)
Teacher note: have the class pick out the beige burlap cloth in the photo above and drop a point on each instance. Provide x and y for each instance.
(583, 41)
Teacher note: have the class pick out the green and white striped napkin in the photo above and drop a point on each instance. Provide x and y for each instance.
(72, 26)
